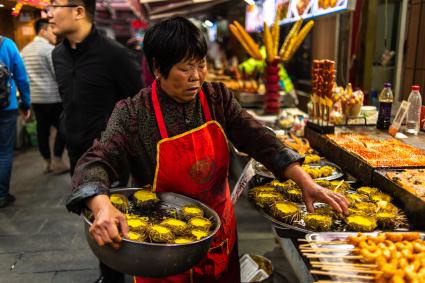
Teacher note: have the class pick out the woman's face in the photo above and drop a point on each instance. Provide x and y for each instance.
(185, 79)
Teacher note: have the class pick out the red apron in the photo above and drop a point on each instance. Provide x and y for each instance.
(195, 164)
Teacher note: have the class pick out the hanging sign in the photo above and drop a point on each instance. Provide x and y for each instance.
(39, 4)
(307, 9)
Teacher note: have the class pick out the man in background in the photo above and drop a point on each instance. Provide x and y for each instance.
(46, 102)
(93, 72)
(12, 74)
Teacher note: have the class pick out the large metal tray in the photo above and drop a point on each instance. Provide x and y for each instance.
(261, 170)
(151, 259)
(410, 203)
(338, 236)
(348, 161)
(298, 226)
(343, 250)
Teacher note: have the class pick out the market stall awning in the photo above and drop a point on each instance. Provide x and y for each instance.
(158, 9)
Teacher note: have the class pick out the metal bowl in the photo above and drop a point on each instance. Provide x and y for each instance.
(151, 259)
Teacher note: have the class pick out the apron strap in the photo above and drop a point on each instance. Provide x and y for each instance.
(205, 107)
(156, 107)
(160, 117)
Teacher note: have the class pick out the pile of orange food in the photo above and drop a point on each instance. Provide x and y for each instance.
(398, 257)
(301, 145)
(380, 153)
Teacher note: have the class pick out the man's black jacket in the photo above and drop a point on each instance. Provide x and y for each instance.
(91, 79)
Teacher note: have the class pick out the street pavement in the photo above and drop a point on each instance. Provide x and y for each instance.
(40, 241)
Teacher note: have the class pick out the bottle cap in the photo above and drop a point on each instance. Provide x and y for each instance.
(416, 87)
(387, 84)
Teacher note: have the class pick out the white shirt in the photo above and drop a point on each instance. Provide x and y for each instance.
(37, 56)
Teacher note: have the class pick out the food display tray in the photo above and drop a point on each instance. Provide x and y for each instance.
(262, 171)
(135, 258)
(298, 228)
(348, 161)
(321, 239)
(413, 206)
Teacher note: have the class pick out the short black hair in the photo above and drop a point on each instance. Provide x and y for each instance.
(172, 40)
(40, 24)
(89, 6)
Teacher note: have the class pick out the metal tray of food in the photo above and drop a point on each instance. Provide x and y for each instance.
(299, 225)
(338, 257)
(413, 205)
(338, 236)
(261, 170)
(349, 162)
(153, 259)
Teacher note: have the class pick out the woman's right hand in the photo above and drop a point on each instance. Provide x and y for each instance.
(106, 221)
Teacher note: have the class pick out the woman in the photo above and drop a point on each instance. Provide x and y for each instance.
(174, 136)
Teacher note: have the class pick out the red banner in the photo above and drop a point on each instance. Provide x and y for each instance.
(39, 4)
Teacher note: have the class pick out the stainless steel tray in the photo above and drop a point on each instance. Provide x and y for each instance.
(338, 236)
(339, 226)
(152, 259)
(343, 250)
(261, 170)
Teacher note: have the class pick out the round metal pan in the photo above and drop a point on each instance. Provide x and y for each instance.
(300, 225)
(151, 259)
(261, 170)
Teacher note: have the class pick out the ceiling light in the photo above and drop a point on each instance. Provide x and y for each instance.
(1, 5)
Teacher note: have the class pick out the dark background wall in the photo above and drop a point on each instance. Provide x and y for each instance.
(414, 58)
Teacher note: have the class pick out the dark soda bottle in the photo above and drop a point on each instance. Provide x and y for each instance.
(385, 103)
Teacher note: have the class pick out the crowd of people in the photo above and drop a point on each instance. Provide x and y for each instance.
(172, 135)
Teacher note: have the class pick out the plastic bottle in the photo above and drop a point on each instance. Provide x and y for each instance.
(385, 103)
(414, 112)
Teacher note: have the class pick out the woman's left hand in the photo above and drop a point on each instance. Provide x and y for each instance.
(315, 192)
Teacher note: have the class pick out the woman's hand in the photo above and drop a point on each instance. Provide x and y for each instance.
(313, 192)
(106, 221)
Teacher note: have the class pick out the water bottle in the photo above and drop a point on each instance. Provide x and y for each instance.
(385, 103)
(414, 112)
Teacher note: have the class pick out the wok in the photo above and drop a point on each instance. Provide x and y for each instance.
(151, 259)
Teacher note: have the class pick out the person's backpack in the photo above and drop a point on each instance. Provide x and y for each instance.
(4, 82)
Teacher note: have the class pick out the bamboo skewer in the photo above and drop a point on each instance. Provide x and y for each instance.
(333, 256)
(323, 242)
(339, 185)
(327, 250)
(343, 263)
(349, 266)
(319, 272)
(346, 269)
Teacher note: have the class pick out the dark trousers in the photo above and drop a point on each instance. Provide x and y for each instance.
(47, 115)
(7, 140)
(109, 275)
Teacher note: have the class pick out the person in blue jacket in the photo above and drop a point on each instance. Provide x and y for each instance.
(12, 60)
